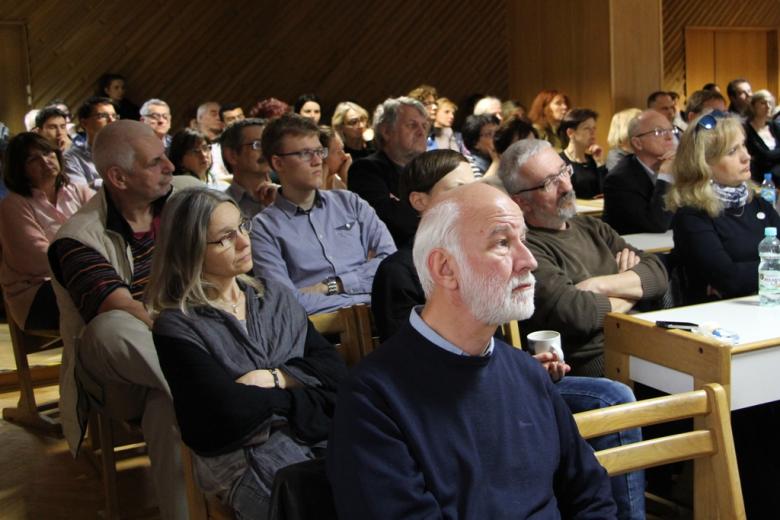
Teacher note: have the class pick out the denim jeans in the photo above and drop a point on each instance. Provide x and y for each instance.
(589, 393)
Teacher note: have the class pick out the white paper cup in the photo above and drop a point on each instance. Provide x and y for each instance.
(545, 341)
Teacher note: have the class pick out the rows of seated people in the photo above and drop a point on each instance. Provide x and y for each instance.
(184, 267)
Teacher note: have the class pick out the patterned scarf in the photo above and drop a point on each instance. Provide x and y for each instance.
(732, 197)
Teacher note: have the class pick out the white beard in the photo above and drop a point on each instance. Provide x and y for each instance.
(492, 301)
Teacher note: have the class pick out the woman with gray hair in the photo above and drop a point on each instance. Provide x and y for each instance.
(762, 136)
(253, 383)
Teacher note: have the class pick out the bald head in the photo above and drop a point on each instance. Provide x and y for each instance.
(115, 144)
(652, 137)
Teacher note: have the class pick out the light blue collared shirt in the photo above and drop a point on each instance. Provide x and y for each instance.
(416, 321)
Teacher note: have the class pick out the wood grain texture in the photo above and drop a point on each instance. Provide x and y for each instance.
(189, 52)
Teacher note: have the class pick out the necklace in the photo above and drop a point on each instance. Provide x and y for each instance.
(235, 303)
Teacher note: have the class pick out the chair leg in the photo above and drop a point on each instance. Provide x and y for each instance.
(108, 465)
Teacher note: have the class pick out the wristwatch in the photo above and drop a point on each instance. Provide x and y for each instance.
(333, 286)
(275, 375)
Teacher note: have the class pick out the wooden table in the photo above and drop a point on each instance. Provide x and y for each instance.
(651, 242)
(590, 207)
(677, 361)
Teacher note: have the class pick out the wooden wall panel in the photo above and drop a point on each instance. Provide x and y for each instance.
(189, 51)
(677, 15)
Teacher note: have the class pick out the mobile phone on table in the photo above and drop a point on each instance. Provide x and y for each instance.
(680, 325)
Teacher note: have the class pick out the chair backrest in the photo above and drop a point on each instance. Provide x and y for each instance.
(341, 324)
(714, 442)
(511, 332)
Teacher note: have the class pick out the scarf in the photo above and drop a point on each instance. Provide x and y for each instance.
(732, 197)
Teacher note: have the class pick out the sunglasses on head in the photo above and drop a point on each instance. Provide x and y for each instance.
(710, 121)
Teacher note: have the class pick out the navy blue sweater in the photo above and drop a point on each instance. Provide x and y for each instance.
(423, 433)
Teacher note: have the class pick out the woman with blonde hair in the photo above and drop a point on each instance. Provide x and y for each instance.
(351, 122)
(719, 221)
(618, 139)
(253, 383)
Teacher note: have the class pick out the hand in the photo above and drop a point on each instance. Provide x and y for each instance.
(343, 170)
(626, 259)
(666, 161)
(266, 193)
(597, 152)
(549, 360)
(317, 288)
(260, 377)
(621, 304)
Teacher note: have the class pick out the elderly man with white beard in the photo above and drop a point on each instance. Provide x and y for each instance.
(444, 421)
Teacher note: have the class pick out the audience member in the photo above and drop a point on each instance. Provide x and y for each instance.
(100, 259)
(253, 382)
(719, 222)
(634, 190)
(229, 113)
(443, 136)
(350, 121)
(335, 167)
(309, 105)
(190, 154)
(511, 130)
(702, 102)
(662, 102)
(112, 86)
(52, 124)
(324, 245)
(95, 114)
(679, 122)
(618, 138)
(478, 133)
(29, 120)
(208, 121)
(427, 95)
(269, 108)
(546, 114)
(41, 199)
(711, 86)
(397, 290)
(489, 105)
(436, 409)
(512, 108)
(157, 114)
(401, 127)
(577, 134)
(762, 136)
(739, 92)
(585, 270)
(242, 153)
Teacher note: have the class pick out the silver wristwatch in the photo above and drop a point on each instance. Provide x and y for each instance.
(333, 286)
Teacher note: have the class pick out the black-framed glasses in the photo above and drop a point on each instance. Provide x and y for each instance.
(552, 181)
(709, 121)
(158, 116)
(229, 238)
(255, 145)
(660, 132)
(307, 154)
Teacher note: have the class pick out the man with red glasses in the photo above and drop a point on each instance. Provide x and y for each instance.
(324, 244)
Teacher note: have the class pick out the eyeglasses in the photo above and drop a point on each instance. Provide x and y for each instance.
(229, 238)
(356, 121)
(552, 181)
(308, 154)
(709, 121)
(206, 148)
(105, 115)
(256, 145)
(660, 132)
(158, 117)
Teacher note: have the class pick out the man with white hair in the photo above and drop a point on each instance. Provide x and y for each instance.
(208, 121)
(100, 260)
(401, 127)
(445, 421)
(585, 269)
(488, 105)
(157, 114)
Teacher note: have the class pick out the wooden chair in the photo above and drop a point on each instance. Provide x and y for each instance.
(28, 412)
(711, 440)
(511, 332)
(342, 324)
(201, 506)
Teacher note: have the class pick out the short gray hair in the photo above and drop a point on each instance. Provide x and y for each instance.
(437, 230)
(514, 158)
(760, 95)
(481, 107)
(203, 108)
(115, 145)
(154, 101)
(386, 115)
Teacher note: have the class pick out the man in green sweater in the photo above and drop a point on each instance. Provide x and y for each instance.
(585, 269)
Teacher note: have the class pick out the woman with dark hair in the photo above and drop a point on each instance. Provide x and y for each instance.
(577, 134)
(190, 153)
(253, 382)
(113, 86)
(309, 105)
(513, 129)
(546, 114)
(336, 164)
(40, 200)
(762, 136)
(719, 221)
(478, 133)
